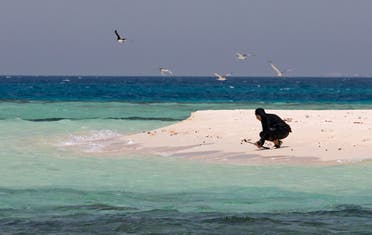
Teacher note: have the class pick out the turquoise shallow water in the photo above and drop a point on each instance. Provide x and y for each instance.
(46, 188)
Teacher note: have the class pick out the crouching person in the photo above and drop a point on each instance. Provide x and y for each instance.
(273, 128)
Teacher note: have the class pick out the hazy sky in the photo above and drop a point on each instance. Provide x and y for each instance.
(191, 37)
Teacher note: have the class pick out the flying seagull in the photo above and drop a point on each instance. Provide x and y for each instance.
(276, 69)
(278, 72)
(242, 57)
(118, 38)
(164, 71)
(220, 77)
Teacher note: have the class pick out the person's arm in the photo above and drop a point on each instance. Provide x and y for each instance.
(265, 124)
(265, 129)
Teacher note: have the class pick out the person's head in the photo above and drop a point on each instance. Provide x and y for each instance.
(260, 112)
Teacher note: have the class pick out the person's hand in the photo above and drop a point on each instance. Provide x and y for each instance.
(258, 144)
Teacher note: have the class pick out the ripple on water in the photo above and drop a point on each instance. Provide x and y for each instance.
(101, 218)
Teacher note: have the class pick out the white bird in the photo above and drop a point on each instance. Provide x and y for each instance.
(278, 72)
(276, 69)
(164, 71)
(220, 77)
(119, 39)
(242, 57)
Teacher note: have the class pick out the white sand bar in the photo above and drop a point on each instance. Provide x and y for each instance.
(319, 136)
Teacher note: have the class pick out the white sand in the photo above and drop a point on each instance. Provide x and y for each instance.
(329, 137)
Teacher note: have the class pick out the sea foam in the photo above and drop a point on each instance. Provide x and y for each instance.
(93, 141)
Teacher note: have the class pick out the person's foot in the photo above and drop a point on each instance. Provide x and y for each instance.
(277, 144)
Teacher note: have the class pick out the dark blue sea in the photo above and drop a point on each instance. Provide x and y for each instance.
(291, 90)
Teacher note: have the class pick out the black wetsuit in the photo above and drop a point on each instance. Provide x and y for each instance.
(273, 128)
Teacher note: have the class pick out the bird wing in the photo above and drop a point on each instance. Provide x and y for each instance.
(164, 71)
(217, 75)
(117, 34)
(241, 56)
(289, 70)
(276, 69)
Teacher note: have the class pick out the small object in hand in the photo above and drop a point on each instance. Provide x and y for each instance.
(245, 140)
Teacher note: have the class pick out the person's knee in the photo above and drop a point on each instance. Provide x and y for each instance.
(266, 136)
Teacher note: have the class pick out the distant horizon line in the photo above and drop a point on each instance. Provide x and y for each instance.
(191, 76)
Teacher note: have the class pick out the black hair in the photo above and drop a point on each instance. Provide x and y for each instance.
(260, 112)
